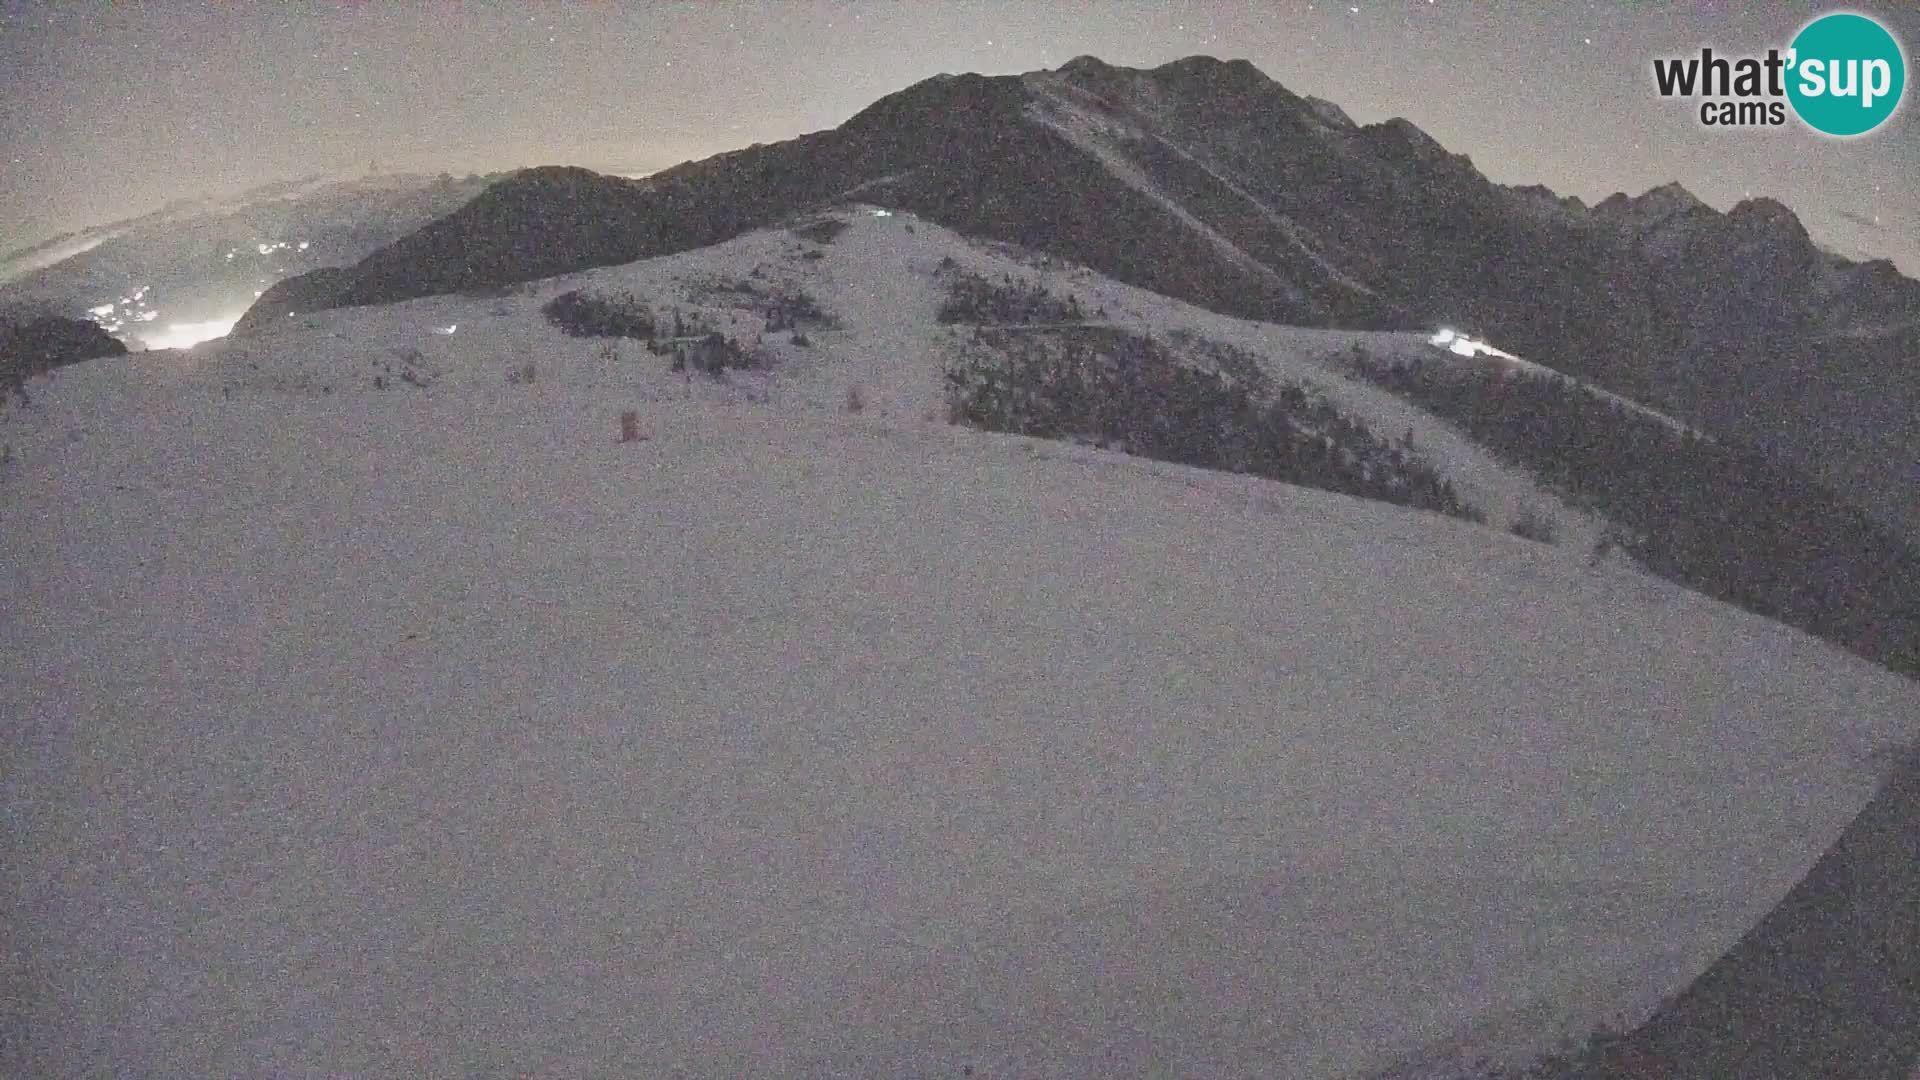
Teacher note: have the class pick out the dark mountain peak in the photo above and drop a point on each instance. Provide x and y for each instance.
(1540, 196)
(1332, 115)
(1086, 64)
(1208, 77)
(1200, 65)
(1881, 273)
(1653, 204)
(1538, 191)
(1671, 193)
(1769, 216)
(554, 176)
(939, 102)
(1405, 133)
(546, 182)
(1401, 142)
(1670, 211)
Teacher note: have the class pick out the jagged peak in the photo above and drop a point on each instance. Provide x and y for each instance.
(1546, 196)
(936, 95)
(1671, 193)
(1769, 214)
(1332, 115)
(1408, 134)
(1762, 208)
(1655, 204)
(1085, 64)
(1213, 69)
(1408, 130)
(1204, 62)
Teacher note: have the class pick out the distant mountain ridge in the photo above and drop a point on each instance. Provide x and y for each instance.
(34, 344)
(1207, 181)
(208, 259)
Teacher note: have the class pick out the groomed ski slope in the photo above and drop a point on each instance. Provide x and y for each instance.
(433, 732)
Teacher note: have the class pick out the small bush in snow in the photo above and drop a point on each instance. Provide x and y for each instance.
(856, 401)
(1531, 524)
(522, 375)
(790, 310)
(822, 231)
(583, 314)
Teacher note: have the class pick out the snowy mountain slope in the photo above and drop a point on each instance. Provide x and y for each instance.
(884, 283)
(430, 731)
(881, 281)
(1088, 121)
(1206, 180)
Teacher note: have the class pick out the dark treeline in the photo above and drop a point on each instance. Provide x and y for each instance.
(1718, 518)
(1120, 390)
(975, 299)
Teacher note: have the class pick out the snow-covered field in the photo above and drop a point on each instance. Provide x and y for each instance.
(434, 732)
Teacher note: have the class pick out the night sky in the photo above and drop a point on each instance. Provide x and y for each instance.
(115, 109)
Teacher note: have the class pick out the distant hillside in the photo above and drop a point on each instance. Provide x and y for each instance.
(34, 345)
(1206, 181)
(1040, 356)
(208, 261)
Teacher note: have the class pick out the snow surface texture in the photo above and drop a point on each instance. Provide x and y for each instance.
(431, 731)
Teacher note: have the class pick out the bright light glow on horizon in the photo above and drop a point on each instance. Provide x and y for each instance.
(187, 335)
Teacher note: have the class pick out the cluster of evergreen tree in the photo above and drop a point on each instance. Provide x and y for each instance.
(690, 342)
(1722, 519)
(1119, 389)
(977, 300)
(712, 354)
(583, 314)
(792, 310)
(1230, 360)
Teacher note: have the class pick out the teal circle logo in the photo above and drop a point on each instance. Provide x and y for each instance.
(1847, 74)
